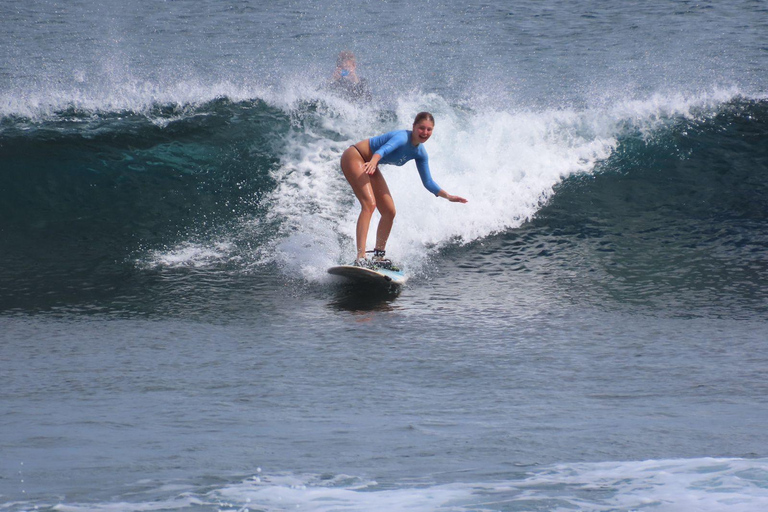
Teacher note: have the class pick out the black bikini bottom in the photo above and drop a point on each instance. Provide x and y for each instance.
(358, 150)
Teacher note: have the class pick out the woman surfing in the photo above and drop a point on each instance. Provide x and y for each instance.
(360, 164)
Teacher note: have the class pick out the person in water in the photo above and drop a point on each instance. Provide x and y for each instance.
(346, 82)
(360, 164)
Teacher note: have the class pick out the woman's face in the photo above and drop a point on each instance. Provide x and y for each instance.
(423, 130)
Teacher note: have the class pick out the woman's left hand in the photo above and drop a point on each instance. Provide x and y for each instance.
(453, 199)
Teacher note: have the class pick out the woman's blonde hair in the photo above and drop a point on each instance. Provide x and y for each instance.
(421, 116)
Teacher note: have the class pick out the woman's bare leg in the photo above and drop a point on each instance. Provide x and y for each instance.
(352, 166)
(386, 207)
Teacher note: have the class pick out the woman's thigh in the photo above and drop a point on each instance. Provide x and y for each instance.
(384, 201)
(352, 167)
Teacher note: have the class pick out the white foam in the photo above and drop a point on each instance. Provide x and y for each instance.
(681, 485)
(288, 492)
(312, 199)
(506, 163)
(172, 504)
(194, 255)
(706, 485)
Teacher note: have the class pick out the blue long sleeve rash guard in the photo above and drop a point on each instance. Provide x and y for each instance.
(395, 148)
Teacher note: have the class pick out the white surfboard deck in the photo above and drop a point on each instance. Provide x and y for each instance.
(378, 276)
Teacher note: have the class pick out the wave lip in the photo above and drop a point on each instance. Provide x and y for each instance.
(121, 96)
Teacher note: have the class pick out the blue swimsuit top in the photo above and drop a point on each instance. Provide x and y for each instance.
(395, 148)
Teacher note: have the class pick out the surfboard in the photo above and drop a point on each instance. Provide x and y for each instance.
(373, 276)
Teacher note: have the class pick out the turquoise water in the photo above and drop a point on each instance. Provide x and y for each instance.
(587, 333)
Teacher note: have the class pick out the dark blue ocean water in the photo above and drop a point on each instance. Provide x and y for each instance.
(587, 333)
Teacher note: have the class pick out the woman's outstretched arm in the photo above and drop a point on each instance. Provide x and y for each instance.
(453, 199)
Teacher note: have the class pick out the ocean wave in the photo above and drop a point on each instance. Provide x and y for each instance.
(509, 164)
(258, 180)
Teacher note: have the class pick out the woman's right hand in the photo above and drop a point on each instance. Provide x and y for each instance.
(370, 167)
(373, 165)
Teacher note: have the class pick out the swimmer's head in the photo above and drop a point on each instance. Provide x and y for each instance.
(346, 60)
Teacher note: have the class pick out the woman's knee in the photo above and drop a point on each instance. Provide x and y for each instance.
(368, 206)
(386, 205)
(387, 210)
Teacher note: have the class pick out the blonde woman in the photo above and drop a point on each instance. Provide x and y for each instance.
(360, 164)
